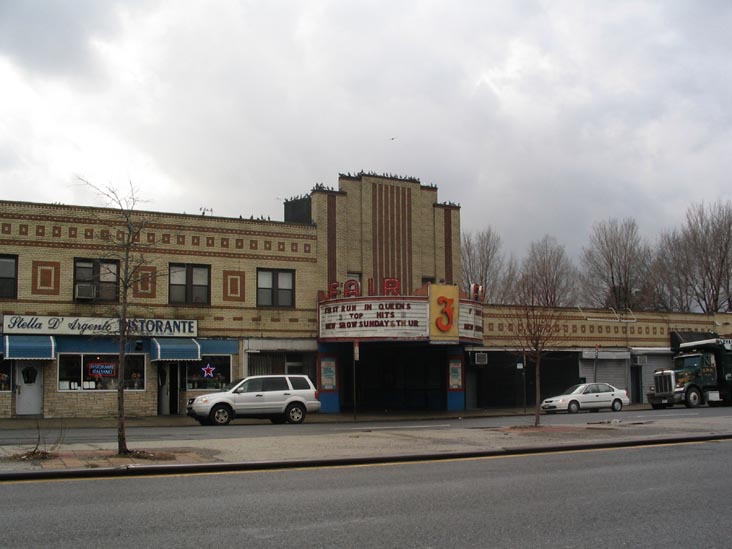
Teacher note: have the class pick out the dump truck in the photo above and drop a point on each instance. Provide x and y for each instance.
(701, 373)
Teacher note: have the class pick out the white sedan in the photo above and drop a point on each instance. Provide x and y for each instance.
(587, 396)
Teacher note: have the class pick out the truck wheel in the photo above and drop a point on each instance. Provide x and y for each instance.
(693, 398)
(573, 407)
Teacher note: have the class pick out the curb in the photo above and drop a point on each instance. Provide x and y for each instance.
(189, 469)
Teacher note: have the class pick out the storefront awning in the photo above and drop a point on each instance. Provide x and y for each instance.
(175, 348)
(22, 347)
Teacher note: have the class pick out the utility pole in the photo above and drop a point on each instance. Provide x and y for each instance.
(356, 357)
(522, 370)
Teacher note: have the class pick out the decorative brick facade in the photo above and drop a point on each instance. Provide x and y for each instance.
(377, 227)
(371, 228)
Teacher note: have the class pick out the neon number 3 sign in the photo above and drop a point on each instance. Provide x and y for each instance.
(447, 311)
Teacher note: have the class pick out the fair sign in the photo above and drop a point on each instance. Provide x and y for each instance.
(77, 326)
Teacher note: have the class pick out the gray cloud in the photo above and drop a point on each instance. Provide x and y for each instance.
(53, 37)
(538, 117)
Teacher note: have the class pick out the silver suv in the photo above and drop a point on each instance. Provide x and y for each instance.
(285, 398)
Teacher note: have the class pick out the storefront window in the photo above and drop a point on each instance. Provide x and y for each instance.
(5, 373)
(99, 372)
(211, 372)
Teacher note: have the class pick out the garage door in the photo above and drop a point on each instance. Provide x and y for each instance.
(614, 372)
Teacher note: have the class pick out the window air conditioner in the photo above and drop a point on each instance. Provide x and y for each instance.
(85, 291)
(640, 360)
(481, 358)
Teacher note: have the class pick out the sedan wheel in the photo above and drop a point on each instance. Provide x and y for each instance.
(617, 405)
(295, 413)
(573, 407)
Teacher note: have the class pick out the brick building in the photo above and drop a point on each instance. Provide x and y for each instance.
(214, 298)
(355, 288)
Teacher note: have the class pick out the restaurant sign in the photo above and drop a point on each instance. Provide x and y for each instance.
(92, 326)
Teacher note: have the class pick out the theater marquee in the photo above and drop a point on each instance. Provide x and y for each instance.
(441, 318)
(374, 318)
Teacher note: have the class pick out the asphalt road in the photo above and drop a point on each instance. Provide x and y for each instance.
(12, 437)
(671, 496)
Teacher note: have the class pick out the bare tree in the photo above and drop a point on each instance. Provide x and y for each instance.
(669, 285)
(509, 278)
(706, 255)
(693, 264)
(615, 265)
(482, 262)
(545, 284)
(123, 243)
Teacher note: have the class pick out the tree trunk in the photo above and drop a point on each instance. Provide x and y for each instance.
(121, 428)
(537, 409)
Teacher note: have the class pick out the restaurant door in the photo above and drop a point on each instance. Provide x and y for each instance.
(28, 388)
(168, 384)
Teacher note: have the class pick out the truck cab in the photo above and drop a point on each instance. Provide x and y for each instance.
(701, 373)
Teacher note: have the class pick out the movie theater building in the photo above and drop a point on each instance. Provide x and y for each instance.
(392, 325)
(216, 299)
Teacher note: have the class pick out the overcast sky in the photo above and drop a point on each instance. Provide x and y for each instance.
(537, 117)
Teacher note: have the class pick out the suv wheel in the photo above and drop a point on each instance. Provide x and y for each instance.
(295, 413)
(221, 414)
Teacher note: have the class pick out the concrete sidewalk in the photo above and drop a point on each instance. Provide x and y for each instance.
(373, 438)
(182, 420)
